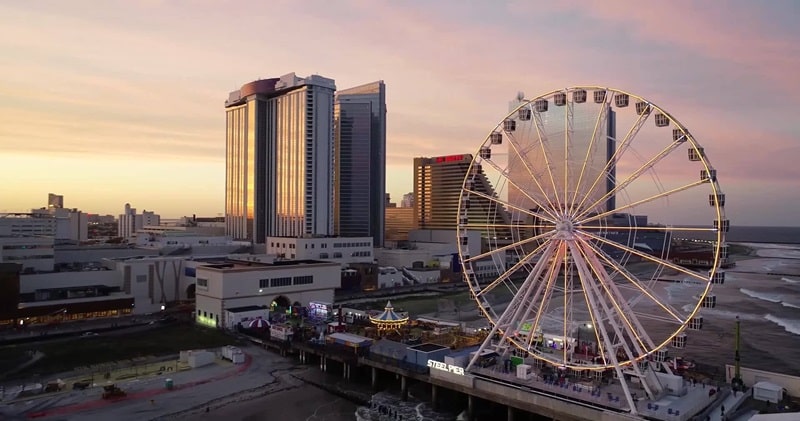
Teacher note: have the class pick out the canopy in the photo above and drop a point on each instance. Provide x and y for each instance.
(258, 323)
(388, 319)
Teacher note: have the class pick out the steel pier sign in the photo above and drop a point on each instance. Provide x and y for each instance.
(446, 367)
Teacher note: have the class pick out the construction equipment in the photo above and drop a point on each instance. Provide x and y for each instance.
(111, 391)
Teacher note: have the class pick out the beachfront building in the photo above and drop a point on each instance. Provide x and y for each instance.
(437, 190)
(278, 285)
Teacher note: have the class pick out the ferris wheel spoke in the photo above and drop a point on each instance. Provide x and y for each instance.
(552, 275)
(507, 274)
(585, 278)
(648, 257)
(631, 178)
(672, 312)
(523, 157)
(639, 337)
(623, 303)
(619, 151)
(568, 120)
(517, 308)
(542, 287)
(498, 201)
(489, 225)
(670, 228)
(542, 140)
(602, 118)
(508, 247)
(661, 195)
(551, 216)
(656, 317)
(568, 292)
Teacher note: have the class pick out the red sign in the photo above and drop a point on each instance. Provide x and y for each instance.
(449, 158)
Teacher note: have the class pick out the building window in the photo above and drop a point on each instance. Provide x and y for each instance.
(323, 255)
(202, 283)
(263, 283)
(280, 282)
(303, 280)
(337, 254)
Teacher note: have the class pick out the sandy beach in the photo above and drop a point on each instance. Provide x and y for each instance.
(302, 403)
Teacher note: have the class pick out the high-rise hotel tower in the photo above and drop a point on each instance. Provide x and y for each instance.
(360, 162)
(279, 158)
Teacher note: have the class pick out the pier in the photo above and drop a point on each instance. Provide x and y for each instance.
(573, 402)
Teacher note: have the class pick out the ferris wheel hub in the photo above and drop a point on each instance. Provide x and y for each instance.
(565, 229)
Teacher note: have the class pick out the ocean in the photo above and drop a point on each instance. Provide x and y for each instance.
(748, 234)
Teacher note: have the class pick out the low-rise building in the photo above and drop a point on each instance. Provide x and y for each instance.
(34, 253)
(242, 283)
(343, 250)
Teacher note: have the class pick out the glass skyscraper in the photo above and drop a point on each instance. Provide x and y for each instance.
(279, 158)
(585, 162)
(360, 162)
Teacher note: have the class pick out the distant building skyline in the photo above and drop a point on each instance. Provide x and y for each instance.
(360, 161)
(129, 222)
(55, 200)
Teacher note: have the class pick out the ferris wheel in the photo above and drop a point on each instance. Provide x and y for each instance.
(602, 230)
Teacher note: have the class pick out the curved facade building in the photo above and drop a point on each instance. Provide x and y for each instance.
(279, 158)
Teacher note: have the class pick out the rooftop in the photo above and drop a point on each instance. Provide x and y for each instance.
(427, 347)
(241, 264)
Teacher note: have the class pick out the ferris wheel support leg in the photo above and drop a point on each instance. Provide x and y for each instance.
(598, 306)
(515, 303)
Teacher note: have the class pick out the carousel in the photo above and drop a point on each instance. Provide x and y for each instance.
(388, 320)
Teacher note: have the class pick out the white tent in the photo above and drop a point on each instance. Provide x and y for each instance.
(768, 392)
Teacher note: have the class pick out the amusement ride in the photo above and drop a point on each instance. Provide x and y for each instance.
(603, 221)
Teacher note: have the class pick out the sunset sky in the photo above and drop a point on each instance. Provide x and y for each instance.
(108, 102)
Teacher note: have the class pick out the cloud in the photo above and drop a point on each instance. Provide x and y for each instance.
(148, 79)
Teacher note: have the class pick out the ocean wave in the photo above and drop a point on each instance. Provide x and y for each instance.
(790, 280)
(785, 304)
(791, 326)
(773, 298)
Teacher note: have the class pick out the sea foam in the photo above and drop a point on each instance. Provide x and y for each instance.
(791, 326)
(773, 298)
